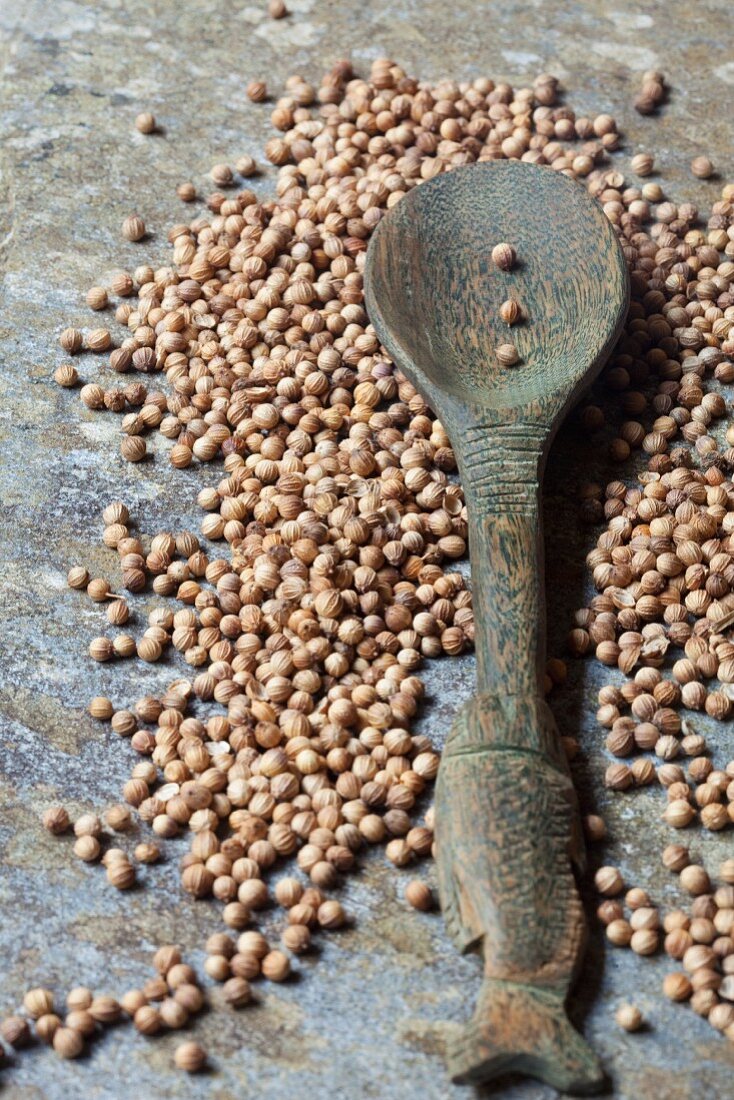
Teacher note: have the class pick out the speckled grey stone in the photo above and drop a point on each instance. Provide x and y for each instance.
(362, 1019)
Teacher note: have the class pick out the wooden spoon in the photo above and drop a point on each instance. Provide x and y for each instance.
(507, 826)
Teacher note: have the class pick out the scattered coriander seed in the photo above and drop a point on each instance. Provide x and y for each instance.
(131, 1001)
(15, 1031)
(119, 818)
(123, 284)
(38, 1002)
(190, 996)
(677, 986)
(257, 91)
(296, 938)
(121, 874)
(47, 1026)
(222, 175)
(275, 966)
(105, 1010)
(101, 649)
(702, 167)
(186, 192)
(504, 256)
(331, 914)
(190, 1057)
(643, 164)
(507, 355)
(510, 312)
(595, 828)
(118, 613)
(147, 852)
(98, 339)
(173, 1014)
(695, 880)
(71, 340)
(147, 1020)
(418, 894)
(101, 708)
(609, 881)
(133, 448)
(133, 228)
(92, 396)
(246, 166)
(237, 992)
(629, 1017)
(77, 577)
(66, 375)
(56, 820)
(145, 123)
(87, 848)
(277, 9)
(97, 298)
(676, 857)
(79, 998)
(80, 1020)
(87, 824)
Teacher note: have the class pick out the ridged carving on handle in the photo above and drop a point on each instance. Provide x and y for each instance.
(501, 466)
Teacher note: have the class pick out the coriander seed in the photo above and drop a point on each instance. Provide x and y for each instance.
(145, 123)
(56, 820)
(507, 355)
(629, 1017)
(504, 256)
(66, 375)
(133, 228)
(190, 1057)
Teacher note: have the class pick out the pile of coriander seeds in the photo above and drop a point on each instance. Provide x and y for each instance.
(324, 572)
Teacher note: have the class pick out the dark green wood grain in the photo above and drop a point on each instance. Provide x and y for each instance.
(507, 826)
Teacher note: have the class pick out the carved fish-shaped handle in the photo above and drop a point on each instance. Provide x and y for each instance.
(507, 824)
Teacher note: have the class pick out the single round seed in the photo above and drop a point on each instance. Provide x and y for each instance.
(133, 448)
(702, 167)
(15, 1031)
(121, 874)
(419, 895)
(257, 91)
(504, 256)
(145, 123)
(87, 848)
(133, 228)
(66, 375)
(56, 820)
(275, 966)
(77, 577)
(643, 164)
(38, 1002)
(677, 986)
(147, 852)
(510, 312)
(237, 992)
(507, 355)
(190, 1057)
(629, 1017)
(71, 340)
(47, 1026)
(101, 649)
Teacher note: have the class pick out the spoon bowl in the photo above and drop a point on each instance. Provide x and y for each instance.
(434, 295)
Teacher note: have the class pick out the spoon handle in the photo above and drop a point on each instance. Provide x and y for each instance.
(507, 827)
(501, 473)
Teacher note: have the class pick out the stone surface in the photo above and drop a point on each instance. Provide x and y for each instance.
(362, 1019)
